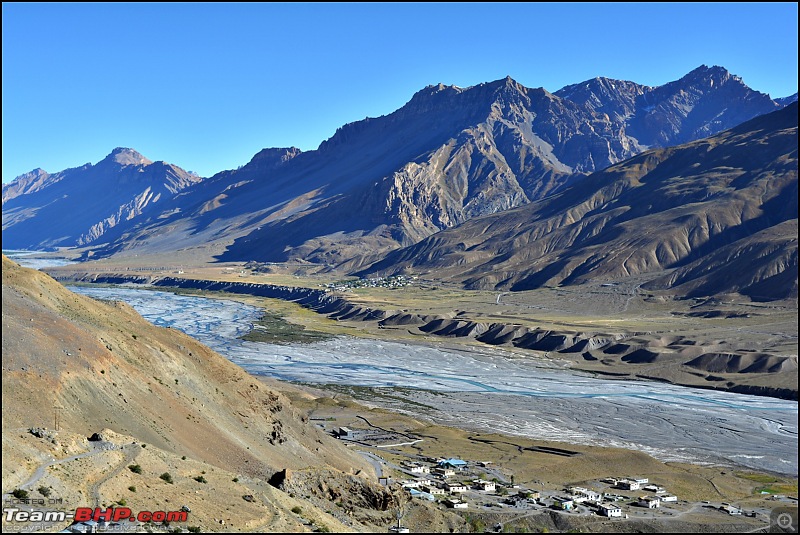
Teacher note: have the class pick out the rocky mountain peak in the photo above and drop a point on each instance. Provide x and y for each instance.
(272, 157)
(709, 76)
(616, 98)
(32, 175)
(25, 183)
(423, 98)
(126, 156)
(508, 86)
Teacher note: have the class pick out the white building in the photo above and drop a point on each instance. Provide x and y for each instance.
(444, 472)
(456, 504)
(731, 509)
(610, 510)
(668, 498)
(435, 491)
(651, 502)
(419, 469)
(453, 488)
(628, 484)
(486, 486)
(585, 495)
(564, 503)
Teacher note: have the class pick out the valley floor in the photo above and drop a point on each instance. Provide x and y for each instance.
(702, 490)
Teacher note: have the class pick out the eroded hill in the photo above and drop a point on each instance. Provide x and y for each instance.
(713, 216)
(125, 393)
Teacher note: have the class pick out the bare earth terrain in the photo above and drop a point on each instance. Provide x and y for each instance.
(733, 324)
(729, 342)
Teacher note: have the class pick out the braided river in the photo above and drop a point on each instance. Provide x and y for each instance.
(492, 390)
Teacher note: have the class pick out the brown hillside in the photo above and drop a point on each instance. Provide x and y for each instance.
(156, 396)
(722, 210)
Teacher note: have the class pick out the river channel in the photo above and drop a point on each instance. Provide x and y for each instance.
(493, 390)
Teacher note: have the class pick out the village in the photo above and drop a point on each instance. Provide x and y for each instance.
(393, 281)
(481, 486)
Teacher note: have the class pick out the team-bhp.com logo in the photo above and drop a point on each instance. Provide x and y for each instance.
(85, 514)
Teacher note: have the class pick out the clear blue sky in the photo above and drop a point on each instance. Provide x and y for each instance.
(206, 86)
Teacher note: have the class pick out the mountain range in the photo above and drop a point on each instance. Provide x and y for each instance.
(378, 186)
(78, 206)
(721, 211)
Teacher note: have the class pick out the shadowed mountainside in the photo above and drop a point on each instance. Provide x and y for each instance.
(78, 206)
(449, 155)
(720, 212)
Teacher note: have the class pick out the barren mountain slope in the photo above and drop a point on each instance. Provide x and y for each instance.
(103, 369)
(77, 206)
(450, 154)
(703, 204)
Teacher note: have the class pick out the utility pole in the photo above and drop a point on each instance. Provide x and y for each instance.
(57, 418)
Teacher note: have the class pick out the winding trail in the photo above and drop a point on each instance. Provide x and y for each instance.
(39, 472)
(375, 461)
(96, 449)
(130, 455)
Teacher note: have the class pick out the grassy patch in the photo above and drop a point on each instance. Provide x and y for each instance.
(274, 329)
(779, 488)
(758, 478)
(770, 484)
(370, 394)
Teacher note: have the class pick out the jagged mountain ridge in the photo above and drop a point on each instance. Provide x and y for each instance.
(785, 101)
(677, 112)
(551, 138)
(78, 206)
(722, 211)
(448, 155)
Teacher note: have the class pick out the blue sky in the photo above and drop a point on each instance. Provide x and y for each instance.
(206, 86)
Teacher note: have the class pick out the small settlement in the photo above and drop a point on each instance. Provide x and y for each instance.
(480, 486)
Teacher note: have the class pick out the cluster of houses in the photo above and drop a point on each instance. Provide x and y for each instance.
(395, 281)
(604, 503)
(427, 488)
(657, 496)
(433, 482)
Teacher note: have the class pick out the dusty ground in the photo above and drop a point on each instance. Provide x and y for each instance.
(524, 462)
(732, 323)
(164, 402)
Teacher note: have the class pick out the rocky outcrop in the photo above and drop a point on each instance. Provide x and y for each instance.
(403, 318)
(743, 363)
(710, 217)
(347, 491)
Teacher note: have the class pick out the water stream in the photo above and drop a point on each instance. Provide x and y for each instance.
(493, 390)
